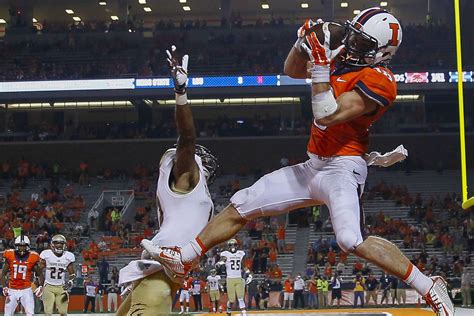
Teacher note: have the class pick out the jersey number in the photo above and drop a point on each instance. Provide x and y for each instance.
(395, 27)
(56, 273)
(19, 269)
(235, 265)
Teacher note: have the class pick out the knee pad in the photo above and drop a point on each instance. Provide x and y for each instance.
(348, 239)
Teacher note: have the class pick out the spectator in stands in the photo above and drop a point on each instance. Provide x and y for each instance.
(115, 215)
(112, 295)
(359, 288)
(115, 275)
(466, 288)
(83, 173)
(299, 286)
(104, 271)
(336, 285)
(385, 285)
(372, 286)
(90, 289)
(281, 235)
(288, 292)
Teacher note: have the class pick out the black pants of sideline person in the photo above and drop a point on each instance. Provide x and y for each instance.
(91, 300)
(197, 302)
(299, 297)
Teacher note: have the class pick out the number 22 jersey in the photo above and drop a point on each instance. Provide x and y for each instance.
(56, 267)
(233, 263)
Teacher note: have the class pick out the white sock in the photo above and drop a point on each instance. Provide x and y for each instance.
(417, 280)
(241, 303)
(191, 251)
(182, 308)
(187, 309)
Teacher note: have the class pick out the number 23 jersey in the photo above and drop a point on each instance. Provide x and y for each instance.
(233, 263)
(20, 268)
(56, 267)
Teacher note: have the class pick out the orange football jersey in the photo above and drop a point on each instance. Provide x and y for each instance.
(352, 138)
(20, 270)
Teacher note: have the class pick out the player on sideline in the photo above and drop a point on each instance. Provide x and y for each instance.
(233, 260)
(184, 295)
(183, 201)
(348, 96)
(213, 287)
(20, 263)
(55, 262)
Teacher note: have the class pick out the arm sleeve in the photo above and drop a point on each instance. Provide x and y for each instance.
(378, 85)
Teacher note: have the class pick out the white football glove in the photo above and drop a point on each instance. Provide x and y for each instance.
(179, 72)
(39, 291)
(301, 33)
(5, 291)
(249, 279)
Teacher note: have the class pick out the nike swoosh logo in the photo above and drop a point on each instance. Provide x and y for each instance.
(339, 79)
(355, 172)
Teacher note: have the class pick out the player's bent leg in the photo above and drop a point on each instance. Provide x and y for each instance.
(151, 296)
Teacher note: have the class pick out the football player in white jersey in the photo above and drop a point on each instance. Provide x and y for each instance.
(233, 260)
(55, 263)
(183, 201)
(214, 287)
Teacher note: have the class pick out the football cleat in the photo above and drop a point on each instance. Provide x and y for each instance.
(438, 298)
(170, 259)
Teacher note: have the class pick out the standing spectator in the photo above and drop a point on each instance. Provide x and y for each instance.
(112, 294)
(385, 284)
(104, 271)
(359, 288)
(402, 293)
(299, 289)
(115, 215)
(393, 290)
(312, 286)
(288, 292)
(281, 235)
(336, 283)
(83, 173)
(115, 275)
(372, 286)
(252, 290)
(90, 289)
(322, 285)
(325, 292)
(196, 292)
(99, 303)
(264, 293)
(466, 288)
(92, 217)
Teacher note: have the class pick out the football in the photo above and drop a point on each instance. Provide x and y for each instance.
(338, 32)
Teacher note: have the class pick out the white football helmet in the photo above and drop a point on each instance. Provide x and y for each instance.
(372, 38)
(22, 245)
(58, 244)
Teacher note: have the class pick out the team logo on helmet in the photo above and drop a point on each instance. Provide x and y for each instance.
(22, 245)
(372, 38)
(58, 244)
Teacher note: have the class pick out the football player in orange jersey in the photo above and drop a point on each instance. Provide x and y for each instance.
(351, 89)
(19, 264)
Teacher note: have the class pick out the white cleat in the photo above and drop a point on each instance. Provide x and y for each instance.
(438, 298)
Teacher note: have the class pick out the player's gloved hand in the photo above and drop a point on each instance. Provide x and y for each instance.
(321, 54)
(219, 264)
(69, 284)
(249, 279)
(300, 34)
(179, 72)
(39, 291)
(5, 291)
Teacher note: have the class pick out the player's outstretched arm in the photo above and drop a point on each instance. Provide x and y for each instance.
(185, 170)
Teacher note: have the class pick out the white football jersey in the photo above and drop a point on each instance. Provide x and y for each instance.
(56, 267)
(181, 216)
(233, 264)
(213, 282)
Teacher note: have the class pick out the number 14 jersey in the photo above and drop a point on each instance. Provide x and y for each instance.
(233, 263)
(56, 267)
